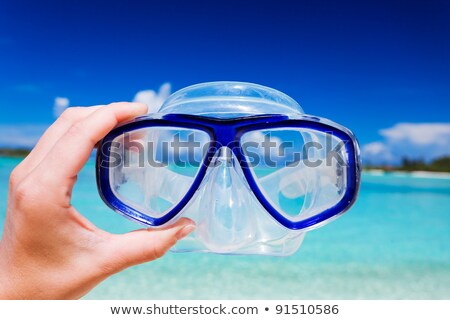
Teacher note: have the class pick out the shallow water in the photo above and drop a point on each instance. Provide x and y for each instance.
(393, 244)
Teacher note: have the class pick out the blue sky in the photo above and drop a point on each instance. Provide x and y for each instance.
(369, 65)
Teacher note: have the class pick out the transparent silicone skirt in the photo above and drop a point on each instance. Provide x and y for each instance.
(253, 184)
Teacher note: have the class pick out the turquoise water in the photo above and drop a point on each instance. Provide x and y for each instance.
(393, 244)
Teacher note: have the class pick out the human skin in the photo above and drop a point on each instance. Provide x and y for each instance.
(48, 249)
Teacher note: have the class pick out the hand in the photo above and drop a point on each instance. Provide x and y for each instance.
(48, 249)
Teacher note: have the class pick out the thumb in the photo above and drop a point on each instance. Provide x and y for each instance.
(144, 245)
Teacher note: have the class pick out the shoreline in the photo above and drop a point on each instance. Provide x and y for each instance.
(412, 174)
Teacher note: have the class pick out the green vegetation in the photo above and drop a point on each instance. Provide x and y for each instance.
(441, 164)
(19, 153)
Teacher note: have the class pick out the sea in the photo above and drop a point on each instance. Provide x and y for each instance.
(393, 244)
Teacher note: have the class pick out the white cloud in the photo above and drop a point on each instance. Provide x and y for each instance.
(60, 105)
(20, 136)
(27, 135)
(153, 99)
(376, 150)
(414, 140)
(376, 153)
(418, 133)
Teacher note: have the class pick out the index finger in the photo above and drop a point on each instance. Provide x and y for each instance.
(52, 135)
(73, 149)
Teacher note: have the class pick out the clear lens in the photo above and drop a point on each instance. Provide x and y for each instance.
(301, 171)
(153, 168)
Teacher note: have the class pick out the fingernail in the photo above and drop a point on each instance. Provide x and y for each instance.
(185, 231)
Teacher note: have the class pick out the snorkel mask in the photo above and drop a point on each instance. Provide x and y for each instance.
(241, 160)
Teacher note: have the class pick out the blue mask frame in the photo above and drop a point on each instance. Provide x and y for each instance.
(227, 132)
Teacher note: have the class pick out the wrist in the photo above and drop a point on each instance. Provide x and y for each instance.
(8, 286)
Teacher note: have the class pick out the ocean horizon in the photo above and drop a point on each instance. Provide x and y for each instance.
(393, 244)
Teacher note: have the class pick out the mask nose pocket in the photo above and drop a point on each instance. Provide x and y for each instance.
(226, 222)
